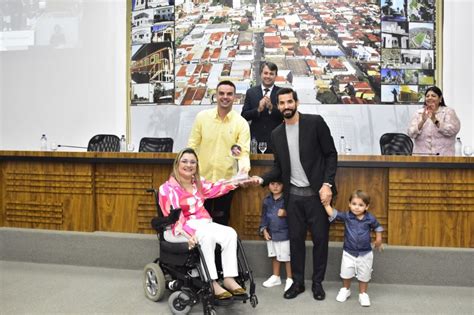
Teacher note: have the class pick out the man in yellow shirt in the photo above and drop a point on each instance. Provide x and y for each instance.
(214, 133)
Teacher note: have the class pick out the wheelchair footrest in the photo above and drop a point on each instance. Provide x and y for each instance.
(224, 302)
(243, 297)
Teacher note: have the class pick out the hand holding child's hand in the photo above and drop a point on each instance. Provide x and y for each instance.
(281, 213)
(325, 193)
(266, 235)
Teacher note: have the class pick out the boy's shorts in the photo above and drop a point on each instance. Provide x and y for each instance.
(359, 267)
(279, 249)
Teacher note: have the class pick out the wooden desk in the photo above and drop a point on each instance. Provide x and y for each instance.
(420, 200)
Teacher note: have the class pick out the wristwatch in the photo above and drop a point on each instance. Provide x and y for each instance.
(327, 184)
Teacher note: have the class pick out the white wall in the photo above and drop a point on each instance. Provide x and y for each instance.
(68, 94)
(72, 94)
(458, 83)
(361, 126)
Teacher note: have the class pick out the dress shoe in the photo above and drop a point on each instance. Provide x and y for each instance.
(318, 292)
(238, 291)
(294, 290)
(223, 296)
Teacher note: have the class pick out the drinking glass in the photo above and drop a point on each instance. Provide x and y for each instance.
(262, 146)
(130, 147)
(467, 150)
(54, 146)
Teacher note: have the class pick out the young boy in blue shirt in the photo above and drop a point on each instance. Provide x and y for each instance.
(357, 256)
(274, 229)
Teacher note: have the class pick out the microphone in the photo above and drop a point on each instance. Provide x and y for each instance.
(427, 153)
(70, 146)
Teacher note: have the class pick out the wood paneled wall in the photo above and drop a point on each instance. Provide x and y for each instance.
(426, 206)
(48, 195)
(431, 207)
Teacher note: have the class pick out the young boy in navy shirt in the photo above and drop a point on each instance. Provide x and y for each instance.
(357, 256)
(274, 229)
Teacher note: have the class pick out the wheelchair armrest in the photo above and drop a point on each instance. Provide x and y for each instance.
(160, 223)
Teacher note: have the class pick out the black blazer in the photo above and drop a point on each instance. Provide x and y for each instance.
(262, 123)
(318, 154)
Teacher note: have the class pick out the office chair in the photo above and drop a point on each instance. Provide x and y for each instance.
(156, 145)
(104, 143)
(396, 144)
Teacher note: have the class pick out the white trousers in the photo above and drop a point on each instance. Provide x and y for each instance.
(209, 234)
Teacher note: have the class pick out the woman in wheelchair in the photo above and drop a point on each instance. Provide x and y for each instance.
(186, 190)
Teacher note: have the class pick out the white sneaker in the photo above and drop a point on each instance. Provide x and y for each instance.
(364, 299)
(288, 283)
(343, 295)
(272, 281)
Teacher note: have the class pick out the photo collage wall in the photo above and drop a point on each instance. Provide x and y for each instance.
(152, 52)
(330, 52)
(408, 50)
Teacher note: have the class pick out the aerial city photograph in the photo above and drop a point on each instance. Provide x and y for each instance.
(329, 51)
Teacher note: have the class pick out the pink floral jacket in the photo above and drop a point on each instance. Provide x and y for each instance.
(192, 204)
(431, 139)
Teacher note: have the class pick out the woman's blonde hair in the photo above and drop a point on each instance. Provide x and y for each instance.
(175, 171)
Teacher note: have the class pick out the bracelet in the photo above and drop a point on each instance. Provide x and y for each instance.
(327, 184)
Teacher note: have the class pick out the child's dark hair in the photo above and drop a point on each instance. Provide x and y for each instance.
(360, 194)
(276, 180)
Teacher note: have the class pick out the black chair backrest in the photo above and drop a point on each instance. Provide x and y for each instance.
(104, 143)
(156, 145)
(396, 144)
(160, 223)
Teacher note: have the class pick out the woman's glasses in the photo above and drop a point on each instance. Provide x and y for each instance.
(192, 162)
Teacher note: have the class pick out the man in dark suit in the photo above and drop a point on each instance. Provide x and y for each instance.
(260, 105)
(306, 160)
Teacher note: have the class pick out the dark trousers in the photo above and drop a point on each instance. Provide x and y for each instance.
(304, 213)
(219, 208)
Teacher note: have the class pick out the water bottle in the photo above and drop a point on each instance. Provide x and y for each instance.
(253, 146)
(44, 143)
(458, 147)
(342, 145)
(123, 144)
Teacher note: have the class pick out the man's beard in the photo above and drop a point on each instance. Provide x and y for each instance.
(289, 113)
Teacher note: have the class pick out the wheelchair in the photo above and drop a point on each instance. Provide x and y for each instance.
(183, 271)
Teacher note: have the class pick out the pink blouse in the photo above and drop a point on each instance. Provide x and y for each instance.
(192, 204)
(431, 139)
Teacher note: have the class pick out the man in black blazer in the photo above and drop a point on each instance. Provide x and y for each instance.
(260, 105)
(306, 161)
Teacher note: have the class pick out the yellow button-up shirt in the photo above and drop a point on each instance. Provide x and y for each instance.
(212, 138)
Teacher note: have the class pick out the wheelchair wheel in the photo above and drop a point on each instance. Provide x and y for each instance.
(253, 301)
(179, 303)
(211, 311)
(153, 282)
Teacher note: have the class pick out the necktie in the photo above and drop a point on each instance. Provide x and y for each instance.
(266, 90)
